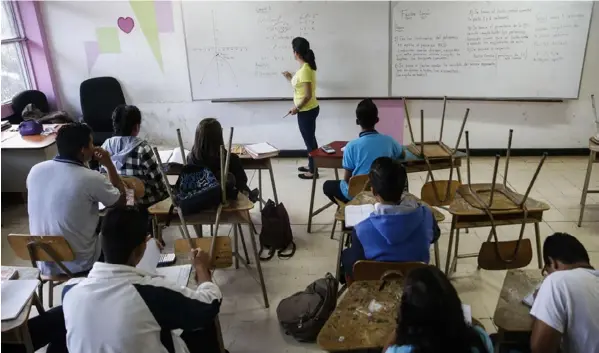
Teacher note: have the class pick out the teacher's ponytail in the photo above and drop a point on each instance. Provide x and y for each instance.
(301, 46)
(310, 59)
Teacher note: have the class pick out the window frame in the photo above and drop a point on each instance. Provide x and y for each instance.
(21, 42)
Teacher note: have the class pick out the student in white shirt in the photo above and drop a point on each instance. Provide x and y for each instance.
(566, 307)
(63, 196)
(120, 308)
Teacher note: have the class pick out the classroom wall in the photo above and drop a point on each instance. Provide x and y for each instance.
(151, 64)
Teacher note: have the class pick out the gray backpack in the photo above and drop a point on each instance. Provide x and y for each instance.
(303, 314)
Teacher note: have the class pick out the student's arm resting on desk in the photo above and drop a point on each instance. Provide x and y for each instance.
(550, 313)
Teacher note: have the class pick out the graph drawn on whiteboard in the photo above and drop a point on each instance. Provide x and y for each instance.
(219, 70)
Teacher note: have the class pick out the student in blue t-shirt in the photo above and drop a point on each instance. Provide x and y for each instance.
(361, 152)
(431, 319)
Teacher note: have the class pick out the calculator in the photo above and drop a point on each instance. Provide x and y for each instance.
(328, 149)
(166, 259)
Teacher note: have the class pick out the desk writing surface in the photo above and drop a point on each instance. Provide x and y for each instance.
(16, 141)
(461, 207)
(366, 197)
(511, 314)
(241, 204)
(23, 273)
(349, 327)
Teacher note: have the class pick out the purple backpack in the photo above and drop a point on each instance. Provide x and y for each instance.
(30, 127)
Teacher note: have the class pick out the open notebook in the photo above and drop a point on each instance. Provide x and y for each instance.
(356, 214)
(172, 156)
(15, 294)
(177, 274)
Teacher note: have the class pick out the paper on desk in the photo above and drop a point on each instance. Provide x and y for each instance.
(355, 214)
(467, 309)
(530, 298)
(165, 155)
(261, 148)
(15, 293)
(176, 156)
(151, 257)
(177, 274)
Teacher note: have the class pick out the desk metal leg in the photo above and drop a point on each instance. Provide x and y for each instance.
(257, 259)
(539, 249)
(454, 263)
(451, 234)
(311, 205)
(260, 188)
(236, 245)
(585, 188)
(459, 174)
(336, 174)
(245, 249)
(272, 181)
(338, 274)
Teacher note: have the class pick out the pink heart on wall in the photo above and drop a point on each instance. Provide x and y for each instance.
(126, 24)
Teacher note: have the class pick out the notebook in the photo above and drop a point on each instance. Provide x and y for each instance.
(467, 309)
(151, 257)
(172, 156)
(261, 150)
(177, 274)
(9, 273)
(15, 295)
(356, 214)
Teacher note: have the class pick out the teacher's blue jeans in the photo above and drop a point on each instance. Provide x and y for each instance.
(307, 126)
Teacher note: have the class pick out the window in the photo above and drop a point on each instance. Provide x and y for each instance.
(15, 72)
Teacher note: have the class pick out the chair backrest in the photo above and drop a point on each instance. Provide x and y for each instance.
(99, 97)
(365, 270)
(50, 248)
(22, 99)
(223, 253)
(357, 184)
(136, 184)
(435, 192)
(505, 255)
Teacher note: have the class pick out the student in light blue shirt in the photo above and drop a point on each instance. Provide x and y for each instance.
(431, 319)
(361, 152)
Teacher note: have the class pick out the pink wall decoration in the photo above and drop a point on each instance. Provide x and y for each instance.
(126, 24)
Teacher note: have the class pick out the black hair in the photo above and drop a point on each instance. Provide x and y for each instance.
(124, 119)
(123, 230)
(71, 138)
(367, 114)
(302, 47)
(430, 316)
(565, 248)
(388, 179)
(208, 139)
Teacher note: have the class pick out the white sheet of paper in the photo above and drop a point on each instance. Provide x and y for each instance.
(356, 214)
(151, 257)
(165, 155)
(15, 293)
(176, 156)
(467, 309)
(261, 148)
(177, 274)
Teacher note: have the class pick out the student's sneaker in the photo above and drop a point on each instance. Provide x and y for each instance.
(254, 195)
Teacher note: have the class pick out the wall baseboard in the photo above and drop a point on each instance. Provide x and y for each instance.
(485, 152)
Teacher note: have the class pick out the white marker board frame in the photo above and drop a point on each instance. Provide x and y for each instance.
(362, 79)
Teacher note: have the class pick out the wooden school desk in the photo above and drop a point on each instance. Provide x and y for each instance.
(511, 315)
(334, 161)
(16, 331)
(464, 215)
(21, 153)
(365, 198)
(236, 213)
(259, 164)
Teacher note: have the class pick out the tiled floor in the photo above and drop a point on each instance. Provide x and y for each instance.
(249, 327)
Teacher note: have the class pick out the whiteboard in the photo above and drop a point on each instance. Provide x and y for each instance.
(239, 49)
(489, 49)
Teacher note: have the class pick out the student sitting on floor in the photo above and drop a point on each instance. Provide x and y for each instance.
(431, 319)
(359, 154)
(399, 230)
(566, 306)
(206, 152)
(119, 308)
(63, 196)
(133, 156)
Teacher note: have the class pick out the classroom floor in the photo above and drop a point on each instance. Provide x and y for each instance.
(248, 327)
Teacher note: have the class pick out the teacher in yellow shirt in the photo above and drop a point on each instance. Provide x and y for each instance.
(304, 100)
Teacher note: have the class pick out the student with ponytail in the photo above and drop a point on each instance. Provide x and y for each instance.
(304, 99)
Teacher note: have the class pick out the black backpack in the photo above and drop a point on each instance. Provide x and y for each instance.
(303, 314)
(197, 189)
(276, 234)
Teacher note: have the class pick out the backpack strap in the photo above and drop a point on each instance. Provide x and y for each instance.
(271, 254)
(287, 256)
